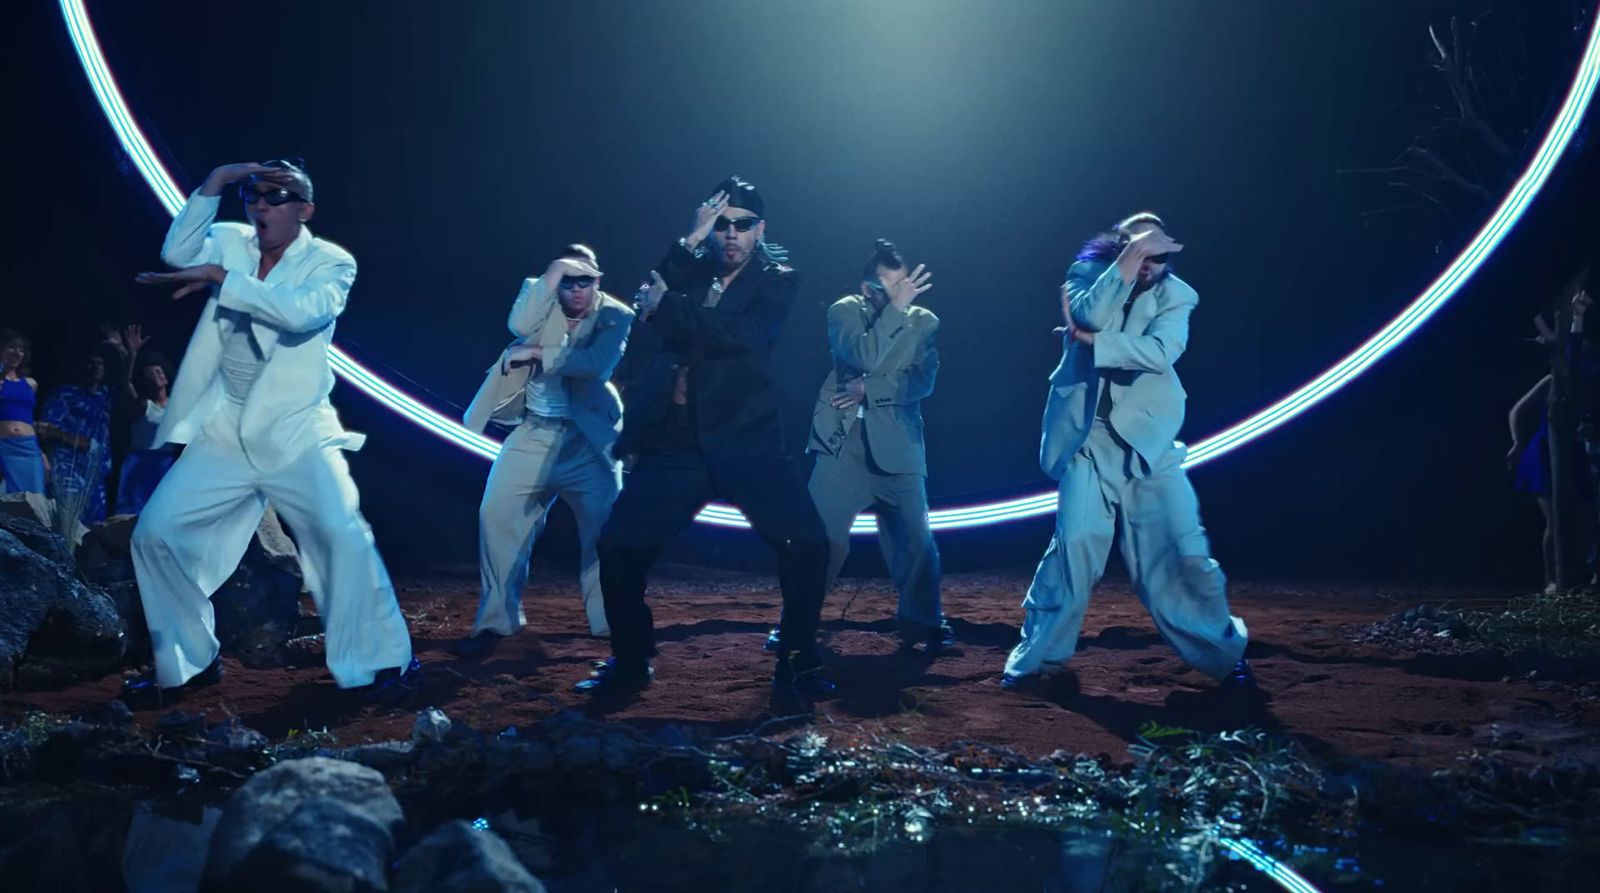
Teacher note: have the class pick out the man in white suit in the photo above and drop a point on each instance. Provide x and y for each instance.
(553, 384)
(251, 402)
(1114, 407)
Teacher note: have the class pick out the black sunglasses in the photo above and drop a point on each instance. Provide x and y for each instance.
(741, 224)
(1158, 258)
(274, 197)
(572, 282)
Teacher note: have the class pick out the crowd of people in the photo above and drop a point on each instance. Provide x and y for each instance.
(88, 441)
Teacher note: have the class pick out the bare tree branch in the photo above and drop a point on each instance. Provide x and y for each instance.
(1454, 63)
(1448, 173)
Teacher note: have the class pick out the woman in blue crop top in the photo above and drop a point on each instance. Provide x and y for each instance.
(22, 464)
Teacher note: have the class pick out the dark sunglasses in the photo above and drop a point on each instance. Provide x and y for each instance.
(1158, 258)
(742, 224)
(274, 197)
(574, 282)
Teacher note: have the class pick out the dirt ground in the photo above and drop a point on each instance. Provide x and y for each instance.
(1339, 698)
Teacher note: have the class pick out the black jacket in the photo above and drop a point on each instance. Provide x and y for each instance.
(728, 349)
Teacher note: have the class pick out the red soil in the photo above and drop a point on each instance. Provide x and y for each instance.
(1337, 697)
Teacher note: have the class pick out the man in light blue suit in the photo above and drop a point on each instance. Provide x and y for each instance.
(1114, 407)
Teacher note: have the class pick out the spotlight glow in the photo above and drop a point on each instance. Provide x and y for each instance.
(1555, 142)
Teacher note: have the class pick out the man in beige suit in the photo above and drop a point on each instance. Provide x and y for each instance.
(553, 383)
(867, 433)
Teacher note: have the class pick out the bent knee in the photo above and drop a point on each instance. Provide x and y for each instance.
(154, 530)
(1202, 573)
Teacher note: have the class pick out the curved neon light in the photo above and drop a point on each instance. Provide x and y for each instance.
(1283, 875)
(1393, 333)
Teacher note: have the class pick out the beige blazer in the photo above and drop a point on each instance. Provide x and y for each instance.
(585, 365)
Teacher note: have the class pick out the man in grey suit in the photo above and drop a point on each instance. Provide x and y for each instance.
(1115, 406)
(867, 433)
(553, 384)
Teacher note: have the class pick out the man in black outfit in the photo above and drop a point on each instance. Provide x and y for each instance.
(702, 422)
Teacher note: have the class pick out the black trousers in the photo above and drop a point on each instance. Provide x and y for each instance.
(661, 496)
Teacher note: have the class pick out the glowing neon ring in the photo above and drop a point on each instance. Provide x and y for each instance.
(1286, 877)
(1521, 195)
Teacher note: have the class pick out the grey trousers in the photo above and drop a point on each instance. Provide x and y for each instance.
(542, 459)
(849, 482)
(1163, 545)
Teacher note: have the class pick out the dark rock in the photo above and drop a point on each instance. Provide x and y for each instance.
(579, 751)
(53, 627)
(235, 735)
(165, 848)
(234, 745)
(257, 609)
(272, 797)
(431, 727)
(114, 713)
(104, 555)
(457, 858)
(324, 846)
(180, 724)
(511, 758)
(37, 537)
(62, 854)
(125, 595)
(379, 755)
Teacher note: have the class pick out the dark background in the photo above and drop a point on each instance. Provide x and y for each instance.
(455, 147)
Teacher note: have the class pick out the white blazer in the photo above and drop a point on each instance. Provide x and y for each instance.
(291, 313)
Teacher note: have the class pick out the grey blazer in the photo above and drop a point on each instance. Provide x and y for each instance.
(893, 350)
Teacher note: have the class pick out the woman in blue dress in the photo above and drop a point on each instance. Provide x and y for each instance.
(1529, 460)
(22, 463)
(77, 427)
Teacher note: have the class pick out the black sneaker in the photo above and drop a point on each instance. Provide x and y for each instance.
(480, 645)
(773, 643)
(1241, 677)
(804, 674)
(1019, 681)
(613, 677)
(941, 639)
(393, 685)
(142, 691)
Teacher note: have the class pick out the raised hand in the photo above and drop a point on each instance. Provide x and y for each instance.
(233, 173)
(649, 295)
(568, 266)
(902, 293)
(1152, 242)
(705, 217)
(133, 338)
